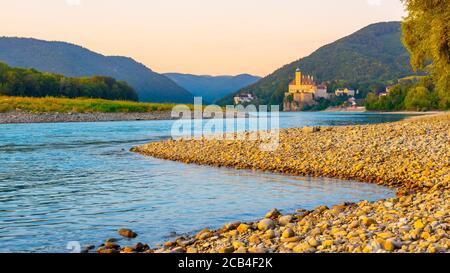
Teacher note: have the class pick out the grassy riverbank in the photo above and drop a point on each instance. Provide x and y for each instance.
(79, 105)
(412, 156)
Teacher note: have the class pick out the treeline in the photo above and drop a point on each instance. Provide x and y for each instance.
(415, 94)
(32, 83)
(322, 104)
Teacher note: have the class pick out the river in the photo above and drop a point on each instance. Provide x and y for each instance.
(66, 182)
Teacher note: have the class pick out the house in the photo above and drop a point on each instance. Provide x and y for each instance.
(322, 92)
(243, 98)
(345, 91)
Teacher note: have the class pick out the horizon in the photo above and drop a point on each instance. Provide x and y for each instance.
(212, 44)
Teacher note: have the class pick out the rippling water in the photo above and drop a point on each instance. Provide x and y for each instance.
(79, 182)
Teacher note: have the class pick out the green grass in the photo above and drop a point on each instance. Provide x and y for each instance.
(78, 105)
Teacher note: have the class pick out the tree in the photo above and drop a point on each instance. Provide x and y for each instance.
(426, 35)
(418, 99)
(32, 83)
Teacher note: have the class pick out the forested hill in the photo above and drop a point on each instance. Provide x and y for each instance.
(32, 83)
(365, 60)
(75, 61)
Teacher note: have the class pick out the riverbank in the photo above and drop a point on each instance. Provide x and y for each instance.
(346, 109)
(412, 156)
(26, 117)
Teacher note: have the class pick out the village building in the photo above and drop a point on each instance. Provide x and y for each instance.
(322, 92)
(243, 98)
(303, 92)
(352, 102)
(385, 92)
(345, 91)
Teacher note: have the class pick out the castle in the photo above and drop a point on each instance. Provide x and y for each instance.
(302, 92)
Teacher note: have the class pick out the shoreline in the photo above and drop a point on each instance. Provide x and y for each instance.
(417, 220)
(18, 117)
(429, 113)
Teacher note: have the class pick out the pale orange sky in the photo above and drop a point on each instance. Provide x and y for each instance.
(197, 36)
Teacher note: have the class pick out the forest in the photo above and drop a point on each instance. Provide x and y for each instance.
(32, 83)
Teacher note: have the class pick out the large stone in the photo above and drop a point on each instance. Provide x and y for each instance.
(231, 226)
(313, 242)
(368, 221)
(284, 220)
(418, 224)
(270, 234)
(254, 239)
(226, 249)
(127, 233)
(242, 228)
(310, 130)
(288, 233)
(205, 234)
(266, 224)
(273, 214)
(391, 245)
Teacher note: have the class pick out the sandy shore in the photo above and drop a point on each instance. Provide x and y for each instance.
(412, 155)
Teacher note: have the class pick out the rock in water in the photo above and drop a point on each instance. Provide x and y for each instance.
(273, 214)
(127, 233)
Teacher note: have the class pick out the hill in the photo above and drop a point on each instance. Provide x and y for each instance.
(212, 88)
(366, 60)
(75, 61)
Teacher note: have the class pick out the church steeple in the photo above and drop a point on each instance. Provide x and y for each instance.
(298, 77)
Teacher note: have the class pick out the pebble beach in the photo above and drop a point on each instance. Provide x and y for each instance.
(27, 117)
(412, 156)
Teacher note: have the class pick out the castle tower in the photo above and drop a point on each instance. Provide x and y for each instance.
(298, 77)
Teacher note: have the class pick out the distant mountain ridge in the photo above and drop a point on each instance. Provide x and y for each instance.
(370, 57)
(75, 61)
(212, 88)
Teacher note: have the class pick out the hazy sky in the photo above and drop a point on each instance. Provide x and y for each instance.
(197, 36)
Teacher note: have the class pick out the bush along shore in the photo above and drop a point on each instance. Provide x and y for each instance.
(412, 155)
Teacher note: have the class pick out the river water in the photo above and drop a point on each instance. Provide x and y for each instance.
(78, 182)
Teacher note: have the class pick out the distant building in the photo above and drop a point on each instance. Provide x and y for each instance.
(322, 92)
(345, 91)
(383, 93)
(388, 89)
(302, 92)
(243, 98)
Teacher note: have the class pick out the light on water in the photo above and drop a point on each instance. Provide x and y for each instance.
(79, 182)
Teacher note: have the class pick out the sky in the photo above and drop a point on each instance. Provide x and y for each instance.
(215, 37)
